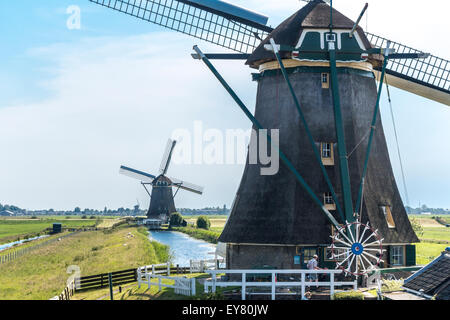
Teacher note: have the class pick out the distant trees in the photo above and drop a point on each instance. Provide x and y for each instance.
(77, 210)
(203, 223)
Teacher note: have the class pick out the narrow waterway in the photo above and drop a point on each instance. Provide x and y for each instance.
(9, 245)
(184, 248)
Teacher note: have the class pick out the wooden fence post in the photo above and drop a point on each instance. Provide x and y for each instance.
(168, 268)
(331, 284)
(303, 284)
(244, 286)
(111, 292)
(273, 286)
(193, 289)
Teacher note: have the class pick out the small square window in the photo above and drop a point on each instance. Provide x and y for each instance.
(325, 79)
(331, 37)
(328, 201)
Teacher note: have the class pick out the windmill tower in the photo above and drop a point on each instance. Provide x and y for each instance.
(317, 74)
(161, 196)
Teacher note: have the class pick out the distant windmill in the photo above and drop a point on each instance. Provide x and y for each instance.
(161, 197)
(316, 77)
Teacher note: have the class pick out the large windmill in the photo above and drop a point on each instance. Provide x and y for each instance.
(335, 194)
(161, 196)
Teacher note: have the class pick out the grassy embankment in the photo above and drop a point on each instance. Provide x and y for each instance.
(42, 274)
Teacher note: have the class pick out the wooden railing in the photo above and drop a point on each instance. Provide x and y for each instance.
(275, 283)
(181, 285)
(99, 281)
(67, 293)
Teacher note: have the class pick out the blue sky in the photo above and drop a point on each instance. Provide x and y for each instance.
(76, 104)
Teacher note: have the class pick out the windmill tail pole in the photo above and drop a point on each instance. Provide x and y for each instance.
(283, 157)
(372, 130)
(305, 125)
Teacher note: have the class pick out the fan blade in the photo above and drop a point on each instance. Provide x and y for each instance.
(214, 21)
(142, 176)
(429, 77)
(187, 186)
(167, 156)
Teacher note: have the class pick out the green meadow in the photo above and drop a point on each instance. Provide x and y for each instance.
(43, 273)
(12, 229)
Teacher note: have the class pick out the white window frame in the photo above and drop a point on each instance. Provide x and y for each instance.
(328, 198)
(326, 150)
(328, 252)
(397, 256)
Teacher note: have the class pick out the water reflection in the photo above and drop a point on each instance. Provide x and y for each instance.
(184, 248)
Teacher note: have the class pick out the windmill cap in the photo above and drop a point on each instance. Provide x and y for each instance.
(314, 15)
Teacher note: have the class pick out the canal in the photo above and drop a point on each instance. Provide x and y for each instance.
(11, 244)
(184, 248)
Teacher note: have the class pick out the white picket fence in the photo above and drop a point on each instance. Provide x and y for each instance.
(200, 266)
(152, 269)
(181, 285)
(276, 287)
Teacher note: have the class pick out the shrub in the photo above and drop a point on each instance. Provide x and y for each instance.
(175, 220)
(348, 295)
(417, 227)
(203, 223)
(84, 217)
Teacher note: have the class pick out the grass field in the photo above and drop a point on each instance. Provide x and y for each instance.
(434, 240)
(12, 229)
(42, 274)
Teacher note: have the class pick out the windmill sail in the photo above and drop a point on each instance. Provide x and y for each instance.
(167, 156)
(429, 78)
(242, 30)
(214, 21)
(136, 174)
(187, 186)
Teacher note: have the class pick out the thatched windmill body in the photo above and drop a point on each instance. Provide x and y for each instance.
(317, 85)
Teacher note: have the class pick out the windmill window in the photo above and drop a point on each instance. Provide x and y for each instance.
(325, 79)
(397, 256)
(331, 37)
(327, 154)
(388, 216)
(308, 254)
(328, 201)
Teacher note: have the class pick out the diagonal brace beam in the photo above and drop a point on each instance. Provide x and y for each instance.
(305, 125)
(372, 131)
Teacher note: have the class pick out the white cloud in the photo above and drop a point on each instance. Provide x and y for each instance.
(116, 101)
